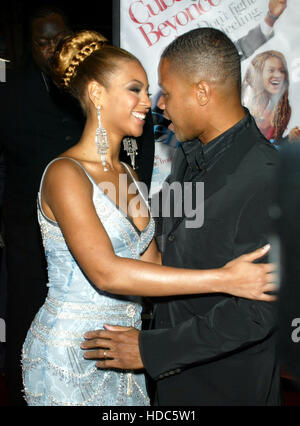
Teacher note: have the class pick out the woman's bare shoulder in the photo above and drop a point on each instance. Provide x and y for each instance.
(66, 172)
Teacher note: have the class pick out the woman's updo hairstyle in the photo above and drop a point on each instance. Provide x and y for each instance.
(83, 57)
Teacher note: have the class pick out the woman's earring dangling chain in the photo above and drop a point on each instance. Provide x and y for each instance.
(131, 148)
(101, 140)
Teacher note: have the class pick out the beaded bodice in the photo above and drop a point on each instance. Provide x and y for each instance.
(54, 369)
(126, 240)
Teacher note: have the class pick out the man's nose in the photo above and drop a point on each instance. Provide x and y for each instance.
(52, 46)
(161, 102)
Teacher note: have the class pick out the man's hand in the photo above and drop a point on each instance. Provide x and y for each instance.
(276, 7)
(116, 347)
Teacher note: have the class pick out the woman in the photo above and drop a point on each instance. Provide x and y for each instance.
(93, 244)
(265, 94)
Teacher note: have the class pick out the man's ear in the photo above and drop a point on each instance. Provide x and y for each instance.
(203, 92)
(94, 90)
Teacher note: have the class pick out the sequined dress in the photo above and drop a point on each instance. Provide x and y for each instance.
(54, 369)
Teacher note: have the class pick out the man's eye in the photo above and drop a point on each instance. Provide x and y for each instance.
(42, 43)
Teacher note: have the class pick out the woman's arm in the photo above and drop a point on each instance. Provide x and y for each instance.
(68, 194)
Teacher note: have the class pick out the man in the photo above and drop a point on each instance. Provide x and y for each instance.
(165, 140)
(207, 350)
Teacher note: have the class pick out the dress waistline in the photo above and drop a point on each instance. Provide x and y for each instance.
(90, 310)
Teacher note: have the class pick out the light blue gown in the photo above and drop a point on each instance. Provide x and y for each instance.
(54, 369)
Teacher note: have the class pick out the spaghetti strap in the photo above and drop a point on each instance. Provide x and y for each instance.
(39, 197)
(137, 184)
(54, 370)
(61, 158)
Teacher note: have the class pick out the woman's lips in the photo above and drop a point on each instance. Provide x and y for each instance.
(139, 116)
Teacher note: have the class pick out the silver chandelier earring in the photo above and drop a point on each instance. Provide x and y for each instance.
(101, 140)
(131, 148)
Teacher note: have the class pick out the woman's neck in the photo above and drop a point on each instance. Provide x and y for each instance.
(87, 147)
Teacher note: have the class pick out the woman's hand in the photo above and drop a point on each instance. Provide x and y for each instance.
(276, 7)
(250, 280)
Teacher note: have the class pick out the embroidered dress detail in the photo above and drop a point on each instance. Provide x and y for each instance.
(54, 369)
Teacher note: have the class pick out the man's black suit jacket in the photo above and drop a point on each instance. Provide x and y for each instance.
(215, 349)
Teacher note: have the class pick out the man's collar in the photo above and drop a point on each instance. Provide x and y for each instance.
(202, 157)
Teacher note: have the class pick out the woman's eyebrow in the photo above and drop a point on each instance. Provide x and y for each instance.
(139, 82)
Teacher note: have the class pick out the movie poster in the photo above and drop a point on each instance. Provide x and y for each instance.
(266, 34)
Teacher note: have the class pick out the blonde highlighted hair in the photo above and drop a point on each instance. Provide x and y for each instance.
(83, 57)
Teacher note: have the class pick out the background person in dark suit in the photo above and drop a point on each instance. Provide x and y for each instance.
(208, 350)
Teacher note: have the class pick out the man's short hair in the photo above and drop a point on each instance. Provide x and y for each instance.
(207, 53)
(44, 11)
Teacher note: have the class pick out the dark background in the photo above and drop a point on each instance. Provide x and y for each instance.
(14, 14)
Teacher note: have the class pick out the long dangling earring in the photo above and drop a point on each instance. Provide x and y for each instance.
(131, 147)
(101, 140)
